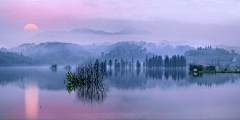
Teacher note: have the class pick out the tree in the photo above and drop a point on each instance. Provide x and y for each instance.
(198, 67)
(138, 64)
(160, 61)
(178, 61)
(96, 65)
(110, 63)
(132, 61)
(166, 61)
(182, 61)
(122, 63)
(146, 61)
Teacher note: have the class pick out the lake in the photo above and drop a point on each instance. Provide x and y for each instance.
(40, 93)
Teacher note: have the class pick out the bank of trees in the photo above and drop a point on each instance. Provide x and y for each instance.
(157, 61)
(209, 55)
(54, 52)
(123, 63)
(16, 59)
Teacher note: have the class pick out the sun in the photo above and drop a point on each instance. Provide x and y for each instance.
(31, 27)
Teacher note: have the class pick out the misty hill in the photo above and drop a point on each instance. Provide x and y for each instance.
(16, 59)
(126, 31)
(53, 52)
(127, 50)
(3, 49)
(157, 49)
(68, 53)
(229, 48)
(209, 55)
(164, 49)
(131, 30)
(88, 31)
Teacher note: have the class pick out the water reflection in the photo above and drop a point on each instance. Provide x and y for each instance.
(31, 101)
(138, 70)
(119, 78)
(53, 70)
(142, 94)
(90, 93)
(209, 79)
(155, 73)
(128, 79)
(145, 78)
(174, 74)
(42, 75)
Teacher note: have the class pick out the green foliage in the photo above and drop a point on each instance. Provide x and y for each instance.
(211, 68)
(72, 81)
(15, 59)
(194, 66)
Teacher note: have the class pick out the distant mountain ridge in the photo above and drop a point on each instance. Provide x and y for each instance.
(131, 30)
(126, 31)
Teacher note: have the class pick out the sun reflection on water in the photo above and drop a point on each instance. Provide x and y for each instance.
(31, 101)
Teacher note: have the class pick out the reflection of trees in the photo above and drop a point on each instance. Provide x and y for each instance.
(42, 75)
(128, 79)
(157, 73)
(90, 92)
(176, 74)
(209, 79)
(138, 70)
(54, 70)
(134, 78)
(10, 75)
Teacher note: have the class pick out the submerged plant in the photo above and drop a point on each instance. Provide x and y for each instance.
(87, 82)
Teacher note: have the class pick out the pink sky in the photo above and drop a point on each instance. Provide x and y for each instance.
(113, 16)
(58, 12)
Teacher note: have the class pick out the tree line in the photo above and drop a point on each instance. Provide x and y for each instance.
(12, 59)
(124, 63)
(157, 61)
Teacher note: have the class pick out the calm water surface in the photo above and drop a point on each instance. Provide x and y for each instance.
(39, 93)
